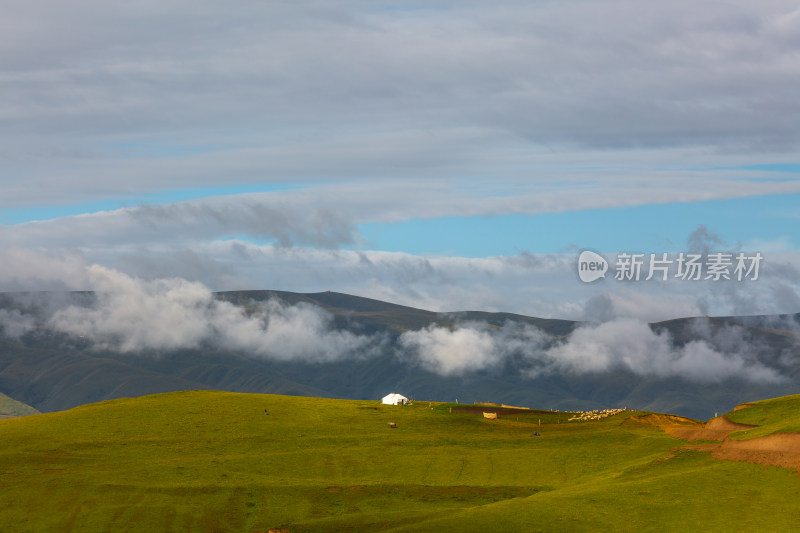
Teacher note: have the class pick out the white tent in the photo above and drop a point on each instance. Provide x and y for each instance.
(394, 399)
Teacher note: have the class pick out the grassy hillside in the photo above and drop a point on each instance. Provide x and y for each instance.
(212, 461)
(777, 415)
(11, 407)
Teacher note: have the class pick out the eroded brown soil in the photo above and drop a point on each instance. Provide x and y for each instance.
(715, 429)
(779, 449)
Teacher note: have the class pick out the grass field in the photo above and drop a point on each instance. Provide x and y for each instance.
(213, 461)
(778, 415)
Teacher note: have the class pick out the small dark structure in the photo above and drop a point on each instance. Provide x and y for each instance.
(536, 434)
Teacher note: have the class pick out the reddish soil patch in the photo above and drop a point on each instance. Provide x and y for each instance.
(715, 429)
(742, 406)
(779, 449)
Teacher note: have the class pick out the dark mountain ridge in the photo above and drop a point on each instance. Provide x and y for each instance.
(52, 371)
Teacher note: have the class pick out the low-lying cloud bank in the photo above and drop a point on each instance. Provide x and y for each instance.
(133, 315)
(622, 344)
(632, 345)
(15, 324)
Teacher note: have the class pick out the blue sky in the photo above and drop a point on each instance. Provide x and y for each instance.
(769, 222)
(448, 157)
(53, 211)
(752, 222)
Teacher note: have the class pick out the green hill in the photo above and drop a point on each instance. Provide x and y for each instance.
(214, 461)
(777, 415)
(11, 407)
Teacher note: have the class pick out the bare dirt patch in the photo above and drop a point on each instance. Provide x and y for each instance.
(780, 449)
(715, 429)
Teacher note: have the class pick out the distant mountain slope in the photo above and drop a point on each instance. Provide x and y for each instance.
(54, 380)
(360, 304)
(553, 326)
(377, 315)
(54, 371)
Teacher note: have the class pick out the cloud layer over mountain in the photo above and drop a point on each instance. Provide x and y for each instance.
(619, 345)
(132, 315)
(155, 152)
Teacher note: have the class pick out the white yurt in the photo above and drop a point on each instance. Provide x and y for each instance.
(394, 399)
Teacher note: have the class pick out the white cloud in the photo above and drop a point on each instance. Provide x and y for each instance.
(133, 315)
(622, 344)
(628, 303)
(14, 323)
(30, 269)
(543, 285)
(632, 345)
(451, 352)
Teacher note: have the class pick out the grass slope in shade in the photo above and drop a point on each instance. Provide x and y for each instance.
(11, 407)
(213, 461)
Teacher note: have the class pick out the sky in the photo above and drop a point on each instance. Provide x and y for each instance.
(445, 155)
